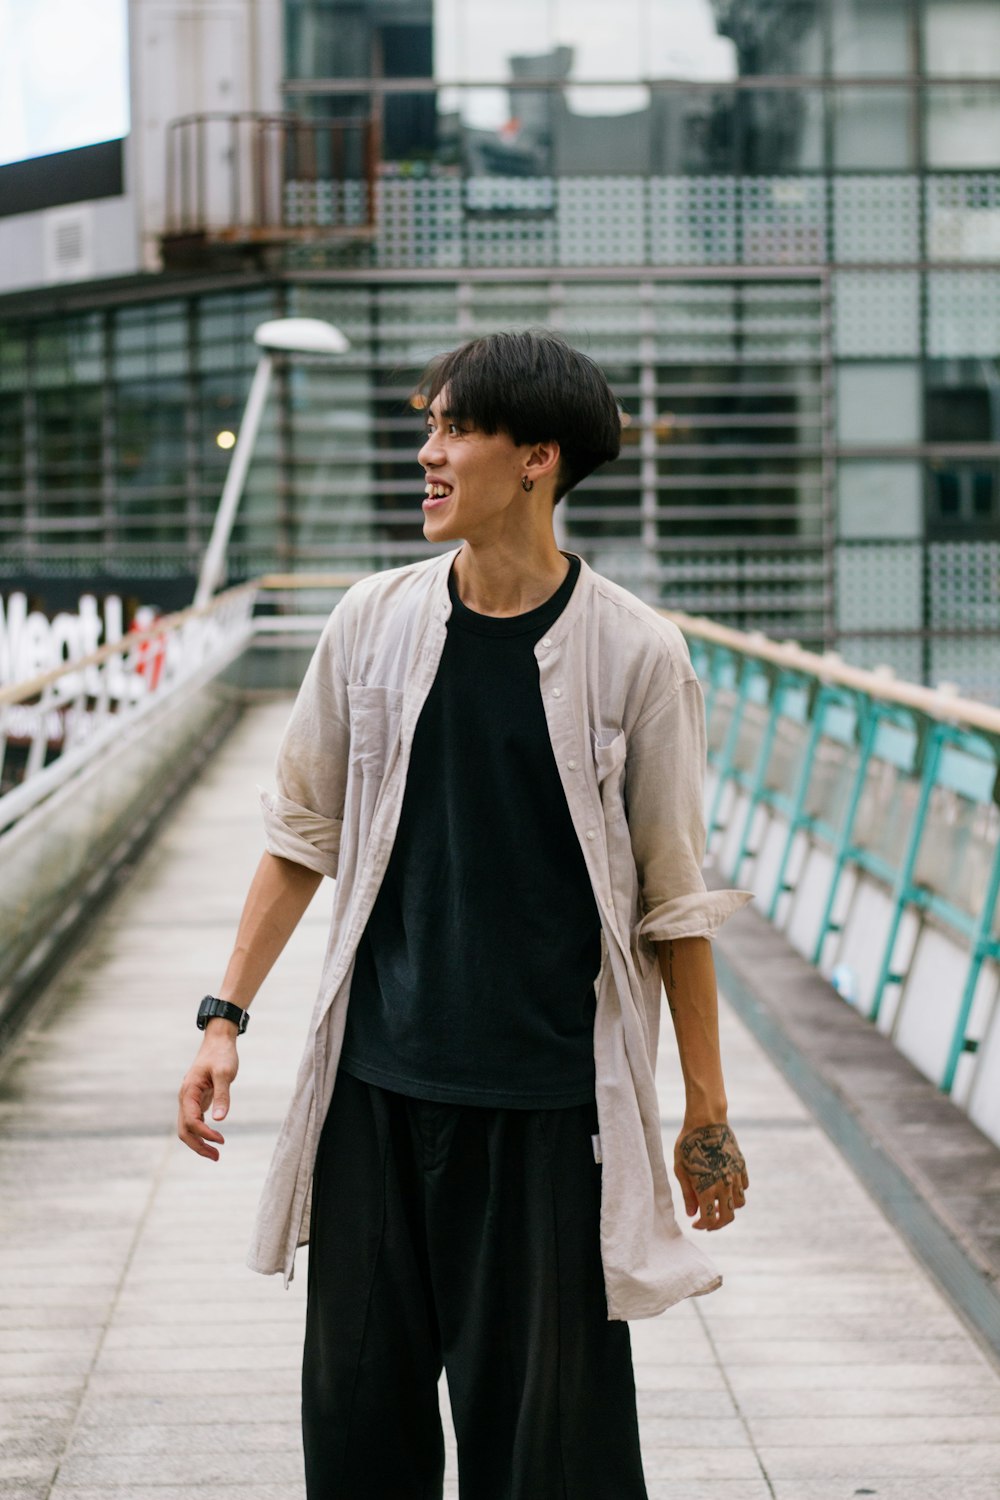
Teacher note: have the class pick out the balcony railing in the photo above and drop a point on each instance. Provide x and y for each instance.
(243, 181)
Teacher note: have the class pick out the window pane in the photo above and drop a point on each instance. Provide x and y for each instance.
(876, 313)
(600, 45)
(962, 400)
(11, 456)
(878, 402)
(871, 38)
(785, 38)
(781, 130)
(961, 37)
(598, 131)
(481, 40)
(962, 126)
(69, 351)
(878, 499)
(684, 42)
(13, 357)
(873, 127)
(963, 313)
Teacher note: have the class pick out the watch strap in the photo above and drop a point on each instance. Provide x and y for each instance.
(212, 1006)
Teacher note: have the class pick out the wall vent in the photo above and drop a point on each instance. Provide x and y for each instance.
(69, 244)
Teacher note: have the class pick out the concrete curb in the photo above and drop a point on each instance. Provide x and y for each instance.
(931, 1171)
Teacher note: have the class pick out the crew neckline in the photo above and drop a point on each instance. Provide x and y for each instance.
(535, 619)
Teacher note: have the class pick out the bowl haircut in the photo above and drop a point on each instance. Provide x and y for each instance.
(536, 388)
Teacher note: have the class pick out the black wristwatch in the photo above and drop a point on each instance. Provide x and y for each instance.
(213, 1006)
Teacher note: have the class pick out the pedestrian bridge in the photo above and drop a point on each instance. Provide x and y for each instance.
(854, 1346)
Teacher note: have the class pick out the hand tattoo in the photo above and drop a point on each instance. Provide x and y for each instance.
(711, 1155)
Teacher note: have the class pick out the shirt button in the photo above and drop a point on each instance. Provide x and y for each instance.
(571, 764)
(591, 834)
(546, 640)
(557, 692)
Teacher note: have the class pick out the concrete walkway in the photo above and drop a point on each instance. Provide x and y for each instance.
(140, 1360)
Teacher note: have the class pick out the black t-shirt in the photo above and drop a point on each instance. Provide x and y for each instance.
(474, 979)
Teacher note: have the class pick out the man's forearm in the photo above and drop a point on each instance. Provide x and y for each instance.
(689, 979)
(278, 896)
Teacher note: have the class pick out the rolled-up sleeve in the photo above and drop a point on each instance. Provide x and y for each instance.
(304, 818)
(665, 776)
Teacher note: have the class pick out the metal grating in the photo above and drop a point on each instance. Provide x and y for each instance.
(879, 586)
(783, 220)
(963, 216)
(433, 216)
(419, 221)
(876, 218)
(602, 221)
(693, 220)
(876, 314)
(964, 586)
(963, 313)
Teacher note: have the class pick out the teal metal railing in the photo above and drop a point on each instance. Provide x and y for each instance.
(896, 783)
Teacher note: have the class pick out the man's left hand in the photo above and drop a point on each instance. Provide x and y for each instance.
(712, 1174)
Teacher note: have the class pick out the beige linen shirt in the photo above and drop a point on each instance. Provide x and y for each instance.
(626, 720)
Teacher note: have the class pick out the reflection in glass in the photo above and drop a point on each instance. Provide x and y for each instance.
(150, 430)
(873, 127)
(780, 130)
(476, 40)
(69, 452)
(683, 42)
(962, 400)
(871, 39)
(961, 37)
(12, 456)
(69, 351)
(962, 126)
(603, 45)
(774, 36)
(963, 500)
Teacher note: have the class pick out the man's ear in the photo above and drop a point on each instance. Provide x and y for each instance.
(543, 461)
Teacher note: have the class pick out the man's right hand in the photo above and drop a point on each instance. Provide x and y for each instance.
(206, 1085)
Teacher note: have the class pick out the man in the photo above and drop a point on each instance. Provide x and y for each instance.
(499, 754)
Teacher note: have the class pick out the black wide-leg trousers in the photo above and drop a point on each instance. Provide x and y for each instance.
(469, 1238)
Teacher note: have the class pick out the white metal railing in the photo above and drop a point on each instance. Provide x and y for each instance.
(58, 721)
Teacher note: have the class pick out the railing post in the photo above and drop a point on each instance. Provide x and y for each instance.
(779, 682)
(867, 719)
(796, 818)
(235, 205)
(982, 943)
(201, 135)
(185, 175)
(728, 751)
(902, 891)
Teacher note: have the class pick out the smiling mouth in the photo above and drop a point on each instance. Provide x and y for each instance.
(435, 493)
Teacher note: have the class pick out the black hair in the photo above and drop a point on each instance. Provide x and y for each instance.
(536, 388)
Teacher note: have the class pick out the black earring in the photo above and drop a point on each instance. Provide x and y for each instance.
(527, 484)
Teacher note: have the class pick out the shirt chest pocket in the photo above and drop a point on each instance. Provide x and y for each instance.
(375, 718)
(609, 763)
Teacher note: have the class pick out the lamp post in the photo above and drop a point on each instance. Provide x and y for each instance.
(279, 336)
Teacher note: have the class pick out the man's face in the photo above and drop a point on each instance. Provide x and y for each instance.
(473, 490)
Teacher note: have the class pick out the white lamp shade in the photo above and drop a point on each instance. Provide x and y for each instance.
(301, 336)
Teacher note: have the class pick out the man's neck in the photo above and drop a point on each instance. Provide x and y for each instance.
(500, 580)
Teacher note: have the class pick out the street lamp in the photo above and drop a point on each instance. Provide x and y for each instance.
(279, 336)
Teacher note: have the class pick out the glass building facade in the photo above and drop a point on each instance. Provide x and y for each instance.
(775, 225)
